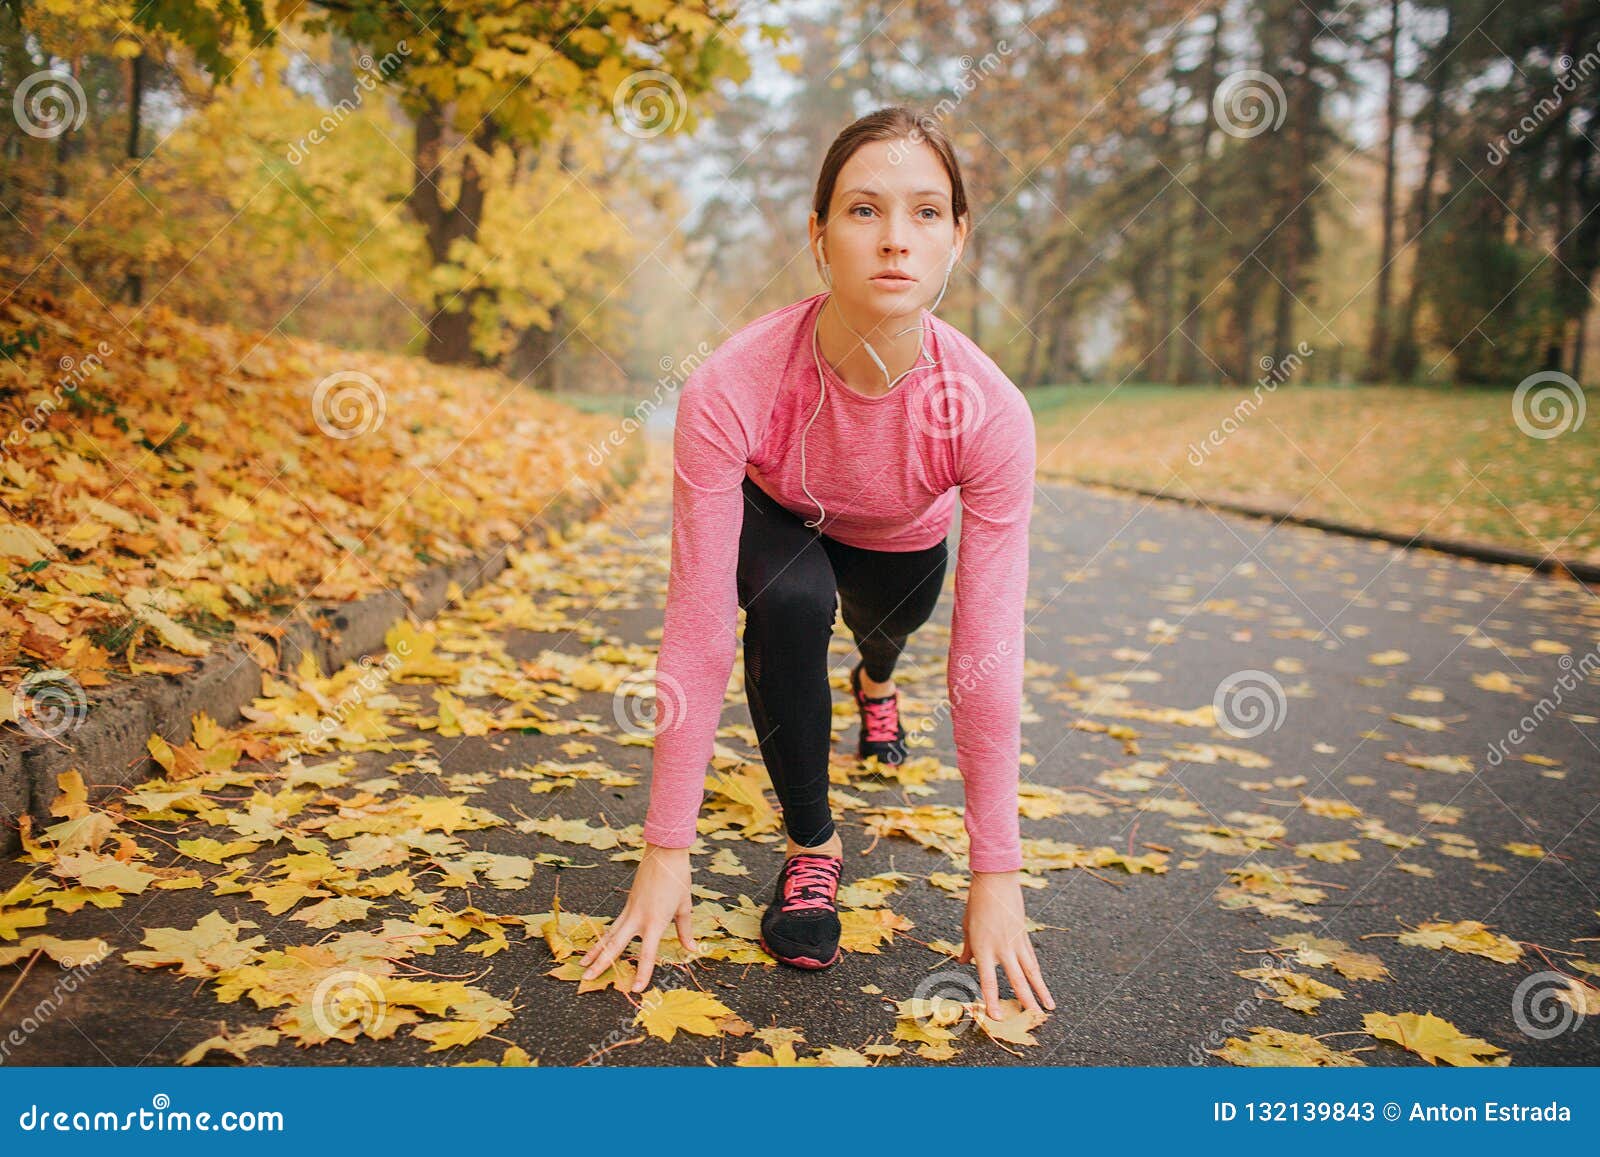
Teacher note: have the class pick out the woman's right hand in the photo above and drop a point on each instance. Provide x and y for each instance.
(660, 896)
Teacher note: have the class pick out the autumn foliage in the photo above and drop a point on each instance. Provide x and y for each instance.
(170, 484)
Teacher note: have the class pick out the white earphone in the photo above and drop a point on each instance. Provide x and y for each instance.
(822, 381)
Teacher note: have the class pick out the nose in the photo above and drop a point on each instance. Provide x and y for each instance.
(894, 234)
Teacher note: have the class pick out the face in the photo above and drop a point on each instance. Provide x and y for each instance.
(889, 233)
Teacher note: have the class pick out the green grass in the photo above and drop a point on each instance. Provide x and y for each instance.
(1448, 460)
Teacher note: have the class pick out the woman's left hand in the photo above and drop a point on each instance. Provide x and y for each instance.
(995, 931)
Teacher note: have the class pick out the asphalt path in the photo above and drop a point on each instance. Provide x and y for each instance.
(1157, 602)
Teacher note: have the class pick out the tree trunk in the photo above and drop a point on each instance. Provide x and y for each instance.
(1377, 366)
(133, 286)
(1162, 368)
(450, 323)
(67, 144)
(1406, 355)
(1193, 326)
(1296, 225)
(533, 360)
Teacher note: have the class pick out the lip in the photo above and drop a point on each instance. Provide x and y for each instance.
(894, 279)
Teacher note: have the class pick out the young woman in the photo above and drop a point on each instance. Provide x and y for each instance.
(816, 457)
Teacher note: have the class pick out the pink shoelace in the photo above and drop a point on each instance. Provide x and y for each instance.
(882, 719)
(811, 882)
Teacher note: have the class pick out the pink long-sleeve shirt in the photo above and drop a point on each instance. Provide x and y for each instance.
(885, 470)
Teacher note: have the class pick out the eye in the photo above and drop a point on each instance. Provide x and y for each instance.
(853, 208)
(929, 209)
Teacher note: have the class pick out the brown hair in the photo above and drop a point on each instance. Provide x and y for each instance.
(889, 124)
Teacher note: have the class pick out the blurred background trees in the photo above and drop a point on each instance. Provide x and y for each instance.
(1164, 192)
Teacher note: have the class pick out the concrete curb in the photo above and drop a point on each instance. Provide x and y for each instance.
(1587, 572)
(109, 745)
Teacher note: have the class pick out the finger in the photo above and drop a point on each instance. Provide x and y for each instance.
(1030, 965)
(601, 953)
(991, 988)
(686, 931)
(966, 954)
(604, 938)
(614, 944)
(647, 960)
(1019, 984)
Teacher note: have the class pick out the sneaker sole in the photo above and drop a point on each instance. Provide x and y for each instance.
(864, 755)
(802, 961)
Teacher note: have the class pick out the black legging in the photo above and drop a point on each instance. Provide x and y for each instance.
(789, 578)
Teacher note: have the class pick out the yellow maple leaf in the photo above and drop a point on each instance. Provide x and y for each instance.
(210, 947)
(447, 1034)
(418, 662)
(1337, 809)
(1420, 722)
(13, 920)
(236, 1044)
(173, 633)
(1454, 764)
(1275, 1048)
(73, 800)
(1433, 1038)
(180, 762)
(664, 1013)
(1014, 1026)
(67, 953)
(864, 929)
(1467, 936)
(1329, 852)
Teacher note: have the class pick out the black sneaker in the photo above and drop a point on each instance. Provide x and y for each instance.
(881, 731)
(801, 925)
